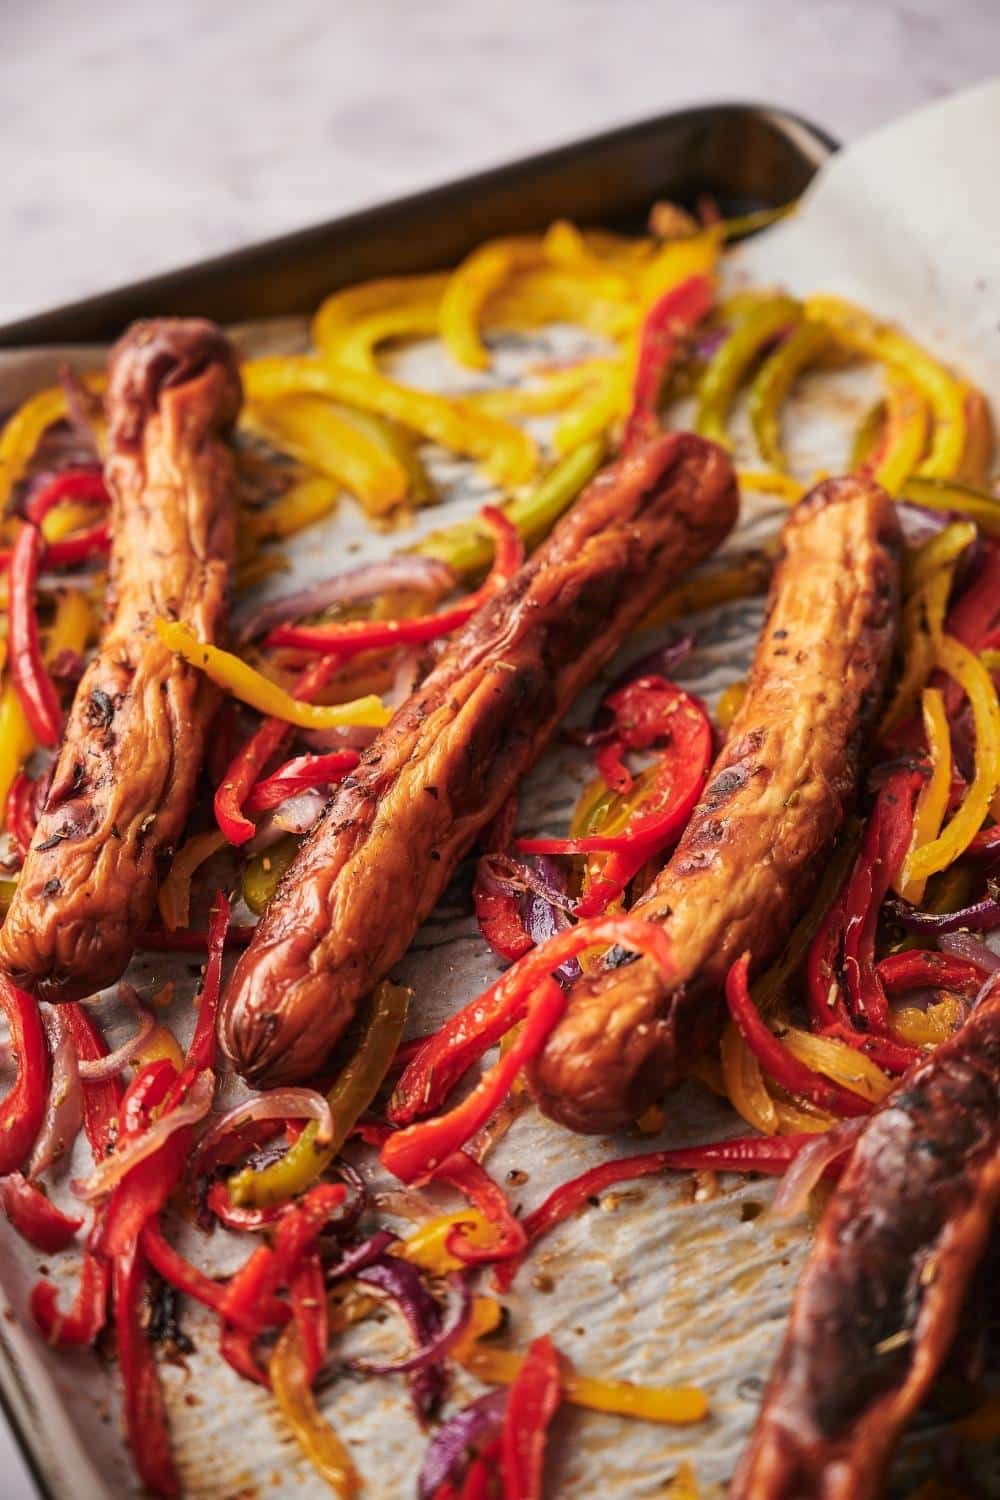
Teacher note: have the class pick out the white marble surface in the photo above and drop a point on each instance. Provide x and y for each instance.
(138, 134)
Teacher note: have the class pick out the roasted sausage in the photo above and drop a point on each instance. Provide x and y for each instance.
(771, 809)
(125, 775)
(392, 836)
(880, 1298)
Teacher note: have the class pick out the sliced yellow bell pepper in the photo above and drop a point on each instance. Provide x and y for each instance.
(945, 394)
(906, 425)
(928, 1027)
(591, 417)
(161, 1043)
(174, 897)
(556, 294)
(398, 444)
(350, 325)
(942, 494)
(977, 460)
(313, 1433)
(744, 1082)
(937, 552)
(968, 671)
(743, 579)
(25, 428)
(253, 688)
(676, 1405)
(773, 382)
(674, 262)
(770, 482)
(508, 454)
(836, 1060)
(932, 803)
(729, 705)
(471, 284)
(303, 503)
(312, 430)
(684, 1485)
(7, 889)
(428, 1247)
(554, 393)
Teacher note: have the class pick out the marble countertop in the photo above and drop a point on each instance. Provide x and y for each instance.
(138, 137)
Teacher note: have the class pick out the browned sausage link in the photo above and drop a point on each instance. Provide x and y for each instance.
(774, 801)
(395, 831)
(879, 1301)
(125, 775)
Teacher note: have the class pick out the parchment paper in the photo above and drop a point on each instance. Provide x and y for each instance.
(669, 1280)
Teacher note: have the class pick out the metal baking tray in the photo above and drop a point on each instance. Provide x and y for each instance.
(745, 156)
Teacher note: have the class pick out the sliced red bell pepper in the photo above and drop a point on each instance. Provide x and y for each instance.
(920, 969)
(239, 779)
(300, 774)
(32, 682)
(236, 1346)
(307, 1290)
(147, 1091)
(531, 1404)
(242, 1220)
(202, 1050)
(23, 1107)
(646, 711)
(498, 912)
(351, 636)
(886, 841)
(34, 1216)
(271, 1267)
(473, 1180)
(155, 940)
(671, 316)
(775, 1058)
(143, 1192)
(77, 1329)
(768, 1154)
(71, 484)
(145, 1410)
(178, 1271)
(20, 812)
(416, 1153)
(482, 1478)
(470, 1032)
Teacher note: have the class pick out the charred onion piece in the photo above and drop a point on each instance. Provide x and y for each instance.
(775, 799)
(391, 838)
(125, 776)
(880, 1298)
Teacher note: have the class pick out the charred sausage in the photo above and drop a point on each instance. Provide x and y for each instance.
(124, 778)
(879, 1301)
(391, 838)
(771, 809)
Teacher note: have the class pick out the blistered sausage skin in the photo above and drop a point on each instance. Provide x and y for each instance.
(771, 809)
(395, 830)
(880, 1298)
(125, 775)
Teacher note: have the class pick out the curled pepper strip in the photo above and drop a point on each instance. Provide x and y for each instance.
(174, 896)
(429, 1078)
(934, 795)
(776, 1059)
(311, 429)
(78, 1328)
(242, 773)
(921, 969)
(348, 1099)
(299, 775)
(531, 1404)
(351, 636)
(232, 674)
(765, 320)
(901, 439)
(31, 681)
(290, 1380)
(23, 1107)
(461, 1172)
(675, 313)
(947, 495)
(773, 382)
(34, 1216)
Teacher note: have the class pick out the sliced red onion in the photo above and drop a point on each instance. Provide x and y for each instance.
(810, 1164)
(436, 1347)
(64, 1108)
(359, 1256)
(453, 1446)
(275, 1104)
(919, 523)
(983, 916)
(503, 874)
(402, 1282)
(103, 1068)
(543, 916)
(407, 570)
(109, 1172)
(964, 945)
(301, 812)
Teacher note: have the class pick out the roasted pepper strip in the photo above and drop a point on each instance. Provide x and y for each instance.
(289, 1372)
(678, 1404)
(299, 775)
(145, 1411)
(77, 1329)
(947, 495)
(174, 896)
(467, 546)
(509, 455)
(775, 1057)
(229, 672)
(462, 1172)
(312, 430)
(351, 636)
(917, 969)
(902, 437)
(348, 1099)
(340, 319)
(34, 1216)
(263, 873)
(23, 1106)
(717, 388)
(967, 670)
(858, 330)
(531, 1405)
(773, 382)
(674, 314)
(27, 670)
(480, 275)
(932, 801)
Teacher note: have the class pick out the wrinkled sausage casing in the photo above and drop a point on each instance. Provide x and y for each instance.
(125, 775)
(392, 836)
(774, 801)
(879, 1301)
